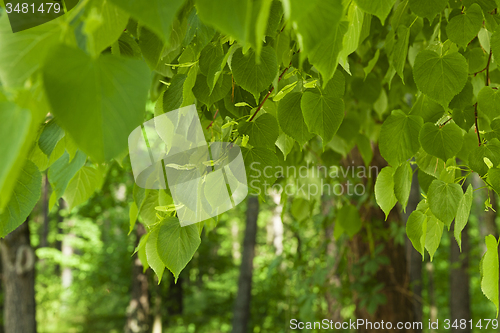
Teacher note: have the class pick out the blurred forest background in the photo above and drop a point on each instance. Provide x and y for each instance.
(87, 279)
(304, 257)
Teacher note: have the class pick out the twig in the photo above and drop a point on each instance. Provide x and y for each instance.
(215, 116)
(269, 93)
(477, 127)
(488, 69)
(446, 122)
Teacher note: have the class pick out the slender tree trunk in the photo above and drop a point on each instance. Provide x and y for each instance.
(58, 245)
(277, 223)
(138, 308)
(18, 263)
(45, 210)
(242, 304)
(157, 322)
(459, 280)
(413, 258)
(432, 295)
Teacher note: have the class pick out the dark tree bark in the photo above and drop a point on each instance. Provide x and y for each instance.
(138, 309)
(242, 304)
(175, 296)
(45, 210)
(413, 258)
(394, 276)
(459, 280)
(18, 264)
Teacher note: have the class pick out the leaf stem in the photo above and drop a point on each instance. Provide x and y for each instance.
(477, 127)
(269, 93)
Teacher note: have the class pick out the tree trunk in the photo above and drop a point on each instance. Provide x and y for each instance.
(45, 210)
(138, 309)
(413, 258)
(432, 296)
(394, 276)
(157, 321)
(18, 264)
(277, 223)
(459, 280)
(242, 304)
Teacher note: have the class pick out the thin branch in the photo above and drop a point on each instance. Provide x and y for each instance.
(488, 69)
(215, 116)
(477, 127)
(269, 93)
(446, 122)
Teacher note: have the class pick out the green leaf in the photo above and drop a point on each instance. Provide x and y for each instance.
(464, 99)
(400, 50)
(151, 46)
(256, 159)
(61, 172)
(379, 8)
(399, 137)
(254, 75)
(416, 229)
(428, 8)
(141, 252)
(489, 271)
(157, 15)
(172, 98)
(147, 209)
(133, 214)
(25, 195)
(315, 21)
(426, 108)
(291, 119)
(152, 254)
(177, 245)
(463, 212)
(201, 89)
(384, 190)
(464, 117)
(488, 102)
(365, 148)
(98, 101)
(444, 199)
(352, 37)
(348, 217)
(425, 180)
(82, 186)
(228, 16)
(50, 136)
(443, 142)
(325, 57)
(402, 183)
(490, 150)
(285, 144)
(24, 52)
(441, 77)
(263, 132)
(494, 179)
(261, 23)
(433, 234)
(14, 127)
(112, 23)
(495, 42)
(367, 90)
(463, 28)
(323, 113)
(212, 62)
